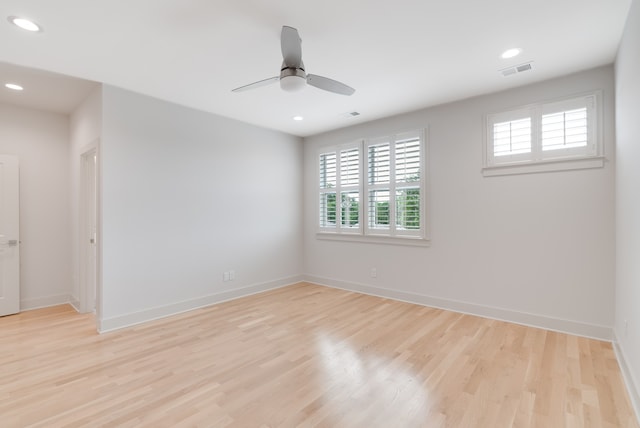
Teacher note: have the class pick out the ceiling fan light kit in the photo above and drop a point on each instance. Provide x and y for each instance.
(292, 73)
(292, 80)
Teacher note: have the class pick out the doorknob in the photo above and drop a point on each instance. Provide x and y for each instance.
(4, 242)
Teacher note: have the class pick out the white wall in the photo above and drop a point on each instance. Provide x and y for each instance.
(536, 248)
(186, 196)
(41, 142)
(85, 125)
(627, 323)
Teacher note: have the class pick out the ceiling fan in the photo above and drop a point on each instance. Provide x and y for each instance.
(293, 76)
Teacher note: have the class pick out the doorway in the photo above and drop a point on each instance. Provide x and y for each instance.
(9, 239)
(88, 248)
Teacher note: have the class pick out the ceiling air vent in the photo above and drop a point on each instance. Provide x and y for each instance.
(516, 69)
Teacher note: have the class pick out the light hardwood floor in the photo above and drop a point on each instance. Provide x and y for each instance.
(304, 355)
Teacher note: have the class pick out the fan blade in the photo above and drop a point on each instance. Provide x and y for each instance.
(291, 46)
(329, 85)
(257, 84)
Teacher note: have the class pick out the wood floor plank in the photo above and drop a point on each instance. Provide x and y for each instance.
(304, 356)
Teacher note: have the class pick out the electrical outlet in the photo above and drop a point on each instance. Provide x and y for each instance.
(225, 276)
(374, 273)
(232, 275)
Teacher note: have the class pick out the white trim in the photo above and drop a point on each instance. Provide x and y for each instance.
(127, 320)
(408, 240)
(75, 303)
(632, 383)
(591, 331)
(544, 166)
(44, 302)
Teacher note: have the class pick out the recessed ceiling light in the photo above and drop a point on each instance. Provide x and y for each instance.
(510, 53)
(25, 24)
(13, 86)
(298, 118)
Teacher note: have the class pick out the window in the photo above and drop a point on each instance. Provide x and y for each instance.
(340, 181)
(511, 136)
(380, 186)
(544, 137)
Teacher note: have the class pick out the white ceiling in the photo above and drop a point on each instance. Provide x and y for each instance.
(42, 89)
(400, 56)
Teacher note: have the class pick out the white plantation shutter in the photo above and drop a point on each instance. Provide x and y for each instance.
(408, 159)
(559, 131)
(512, 137)
(350, 210)
(378, 210)
(373, 190)
(379, 163)
(407, 176)
(408, 209)
(394, 185)
(339, 189)
(379, 181)
(350, 167)
(328, 170)
(350, 188)
(328, 209)
(568, 128)
(328, 184)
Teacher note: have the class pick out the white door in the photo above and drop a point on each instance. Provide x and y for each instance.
(88, 232)
(9, 239)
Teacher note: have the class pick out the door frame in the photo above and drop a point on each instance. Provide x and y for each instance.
(11, 219)
(86, 295)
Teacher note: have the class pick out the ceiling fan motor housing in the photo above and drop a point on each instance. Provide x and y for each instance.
(292, 79)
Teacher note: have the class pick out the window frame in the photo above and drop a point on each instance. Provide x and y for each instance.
(538, 159)
(365, 233)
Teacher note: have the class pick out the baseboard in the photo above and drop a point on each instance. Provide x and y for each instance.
(122, 321)
(632, 383)
(75, 303)
(555, 324)
(43, 302)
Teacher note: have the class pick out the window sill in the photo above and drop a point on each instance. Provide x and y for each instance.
(411, 241)
(544, 166)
